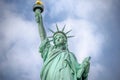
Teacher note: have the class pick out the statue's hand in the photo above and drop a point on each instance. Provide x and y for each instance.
(84, 67)
(37, 16)
(86, 62)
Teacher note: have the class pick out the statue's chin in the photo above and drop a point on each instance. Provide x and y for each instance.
(60, 44)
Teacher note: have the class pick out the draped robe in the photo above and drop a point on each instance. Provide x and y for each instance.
(58, 64)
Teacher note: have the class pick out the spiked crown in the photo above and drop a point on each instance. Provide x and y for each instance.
(60, 31)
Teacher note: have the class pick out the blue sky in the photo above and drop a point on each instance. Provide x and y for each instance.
(94, 23)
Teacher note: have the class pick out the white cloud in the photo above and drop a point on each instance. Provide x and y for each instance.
(61, 6)
(87, 42)
(80, 8)
(20, 43)
(89, 8)
(96, 70)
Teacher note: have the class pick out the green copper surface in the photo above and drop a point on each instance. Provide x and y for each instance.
(59, 62)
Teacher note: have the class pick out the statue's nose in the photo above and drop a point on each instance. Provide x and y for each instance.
(58, 39)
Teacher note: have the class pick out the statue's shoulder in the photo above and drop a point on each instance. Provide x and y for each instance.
(72, 55)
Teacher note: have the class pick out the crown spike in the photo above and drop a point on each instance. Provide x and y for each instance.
(51, 31)
(50, 36)
(57, 27)
(70, 36)
(68, 31)
(63, 28)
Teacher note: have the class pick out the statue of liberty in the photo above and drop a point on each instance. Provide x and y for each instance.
(59, 62)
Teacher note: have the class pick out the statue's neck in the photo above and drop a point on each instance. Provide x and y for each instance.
(61, 47)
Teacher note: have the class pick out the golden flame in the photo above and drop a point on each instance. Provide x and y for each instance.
(39, 2)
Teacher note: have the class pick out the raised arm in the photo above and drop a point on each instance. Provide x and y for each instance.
(38, 9)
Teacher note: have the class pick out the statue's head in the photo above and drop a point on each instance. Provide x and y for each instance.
(60, 37)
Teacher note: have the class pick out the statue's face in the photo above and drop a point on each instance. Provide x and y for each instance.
(59, 39)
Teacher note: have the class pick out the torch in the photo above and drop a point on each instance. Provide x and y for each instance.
(38, 6)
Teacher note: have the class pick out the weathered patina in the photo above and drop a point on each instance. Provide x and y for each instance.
(59, 62)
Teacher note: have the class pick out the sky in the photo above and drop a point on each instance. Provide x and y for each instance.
(94, 23)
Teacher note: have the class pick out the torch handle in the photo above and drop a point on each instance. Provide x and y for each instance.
(38, 9)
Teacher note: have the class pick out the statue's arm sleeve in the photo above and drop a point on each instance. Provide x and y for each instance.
(41, 28)
(44, 48)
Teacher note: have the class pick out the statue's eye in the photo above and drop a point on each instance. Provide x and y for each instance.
(55, 38)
